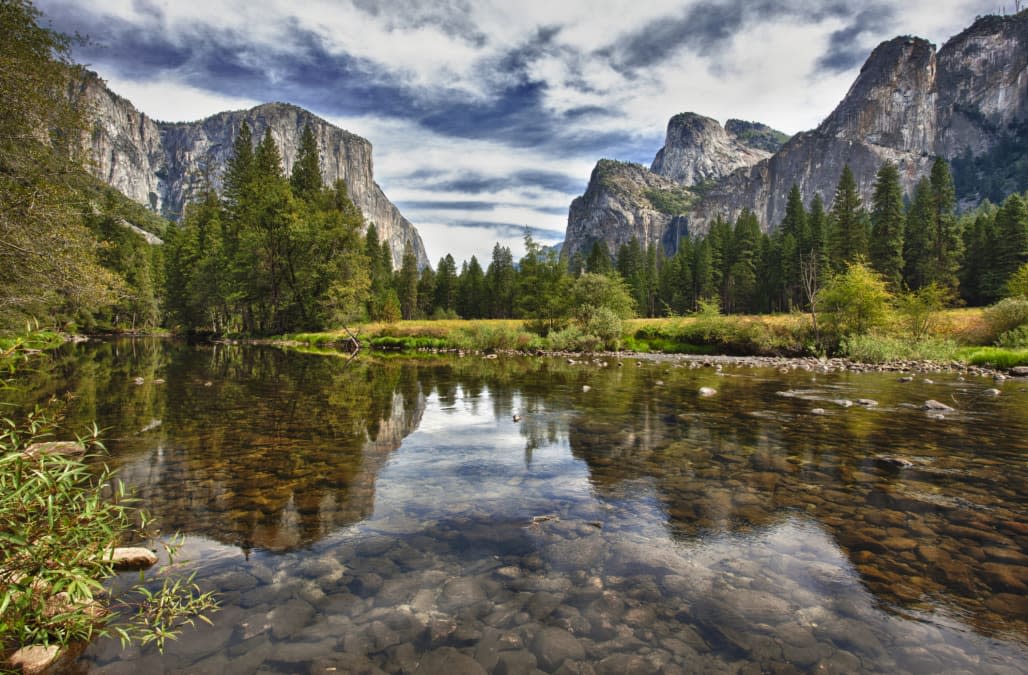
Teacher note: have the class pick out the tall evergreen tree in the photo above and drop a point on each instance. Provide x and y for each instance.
(472, 296)
(500, 282)
(794, 239)
(599, 260)
(979, 241)
(888, 222)
(917, 244)
(446, 284)
(407, 282)
(1011, 243)
(847, 225)
(427, 285)
(746, 240)
(946, 237)
(305, 179)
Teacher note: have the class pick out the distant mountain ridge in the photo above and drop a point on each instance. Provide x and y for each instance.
(162, 164)
(910, 104)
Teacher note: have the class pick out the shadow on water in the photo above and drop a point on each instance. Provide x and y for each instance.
(392, 515)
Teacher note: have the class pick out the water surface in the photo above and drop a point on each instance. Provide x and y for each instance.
(392, 516)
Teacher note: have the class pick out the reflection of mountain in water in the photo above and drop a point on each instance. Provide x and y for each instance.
(259, 448)
(941, 529)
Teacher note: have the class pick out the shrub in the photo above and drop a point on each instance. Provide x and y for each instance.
(854, 302)
(606, 325)
(60, 518)
(918, 310)
(1006, 315)
(874, 348)
(1016, 338)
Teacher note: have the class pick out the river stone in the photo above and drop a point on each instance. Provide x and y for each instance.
(626, 664)
(843, 402)
(461, 592)
(817, 411)
(992, 392)
(708, 391)
(34, 659)
(932, 404)
(553, 645)
(449, 661)
(132, 558)
(1019, 371)
(516, 662)
(61, 448)
(579, 553)
(289, 618)
(867, 402)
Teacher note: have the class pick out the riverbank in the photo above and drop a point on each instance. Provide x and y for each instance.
(957, 338)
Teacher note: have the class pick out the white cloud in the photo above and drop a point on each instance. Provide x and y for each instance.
(175, 101)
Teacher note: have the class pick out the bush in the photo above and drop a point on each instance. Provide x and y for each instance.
(918, 310)
(572, 339)
(60, 519)
(854, 302)
(876, 348)
(1014, 339)
(1006, 315)
(606, 325)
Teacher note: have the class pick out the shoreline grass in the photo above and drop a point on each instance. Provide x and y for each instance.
(955, 335)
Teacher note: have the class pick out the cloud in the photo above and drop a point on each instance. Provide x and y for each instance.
(474, 102)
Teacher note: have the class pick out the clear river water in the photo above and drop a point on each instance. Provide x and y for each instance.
(521, 515)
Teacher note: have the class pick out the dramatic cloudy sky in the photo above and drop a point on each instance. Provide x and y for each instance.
(488, 116)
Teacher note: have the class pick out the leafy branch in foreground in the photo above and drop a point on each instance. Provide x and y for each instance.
(62, 520)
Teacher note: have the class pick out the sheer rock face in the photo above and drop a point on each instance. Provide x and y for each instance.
(615, 209)
(698, 149)
(909, 104)
(163, 165)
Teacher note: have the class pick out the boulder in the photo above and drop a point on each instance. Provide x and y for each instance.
(132, 558)
(34, 658)
(63, 448)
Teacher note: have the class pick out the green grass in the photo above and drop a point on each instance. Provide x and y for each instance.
(886, 348)
(994, 357)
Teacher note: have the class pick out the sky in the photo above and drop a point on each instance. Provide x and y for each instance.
(487, 117)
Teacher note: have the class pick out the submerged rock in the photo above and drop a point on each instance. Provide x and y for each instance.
(708, 391)
(932, 404)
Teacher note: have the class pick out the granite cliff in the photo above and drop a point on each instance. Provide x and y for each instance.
(161, 164)
(698, 150)
(625, 201)
(909, 104)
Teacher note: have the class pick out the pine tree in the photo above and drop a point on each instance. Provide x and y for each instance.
(305, 179)
(917, 244)
(471, 304)
(976, 270)
(795, 238)
(427, 300)
(407, 282)
(847, 224)
(446, 284)
(599, 260)
(1011, 243)
(946, 237)
(887, 226)
(745, 258)
(500, 282)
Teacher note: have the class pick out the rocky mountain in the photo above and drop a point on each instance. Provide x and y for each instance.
(698, 150)
(625, 201)
(162, 165)
(909, 104)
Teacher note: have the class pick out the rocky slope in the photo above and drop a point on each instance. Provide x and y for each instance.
(162, 165)
(909, 104)
(699, 150)
(625, 201)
